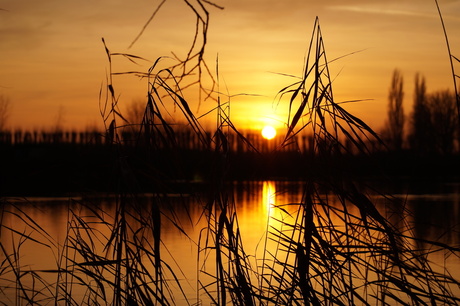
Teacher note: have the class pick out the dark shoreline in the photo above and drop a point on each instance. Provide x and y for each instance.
(69, 169)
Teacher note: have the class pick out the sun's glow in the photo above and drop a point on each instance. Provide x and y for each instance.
(268, 132)
(268, 192)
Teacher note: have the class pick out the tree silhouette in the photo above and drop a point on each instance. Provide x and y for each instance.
(395, 123)
(420, 134)
(444, 120)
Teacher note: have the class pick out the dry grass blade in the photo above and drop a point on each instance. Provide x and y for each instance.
(147, 23)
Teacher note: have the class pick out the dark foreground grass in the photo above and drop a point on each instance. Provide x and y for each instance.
(332, 247)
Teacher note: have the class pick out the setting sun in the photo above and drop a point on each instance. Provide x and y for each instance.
(268, 132)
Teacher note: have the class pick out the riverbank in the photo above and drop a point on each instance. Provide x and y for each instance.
(61, 169)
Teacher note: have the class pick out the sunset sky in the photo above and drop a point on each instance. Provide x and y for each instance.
(53, 63)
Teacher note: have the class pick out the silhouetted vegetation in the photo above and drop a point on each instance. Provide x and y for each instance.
(420, 137)
(332, 247)
(396, 118)
(444, 120)
(433, 123)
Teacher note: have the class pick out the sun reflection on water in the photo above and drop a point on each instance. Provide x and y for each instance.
(269, 196)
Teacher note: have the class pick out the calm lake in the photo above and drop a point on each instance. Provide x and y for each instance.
(433, 214)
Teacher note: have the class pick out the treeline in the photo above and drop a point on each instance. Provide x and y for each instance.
(184, 139)
(431, 127)
(56, 137)
(432, 130)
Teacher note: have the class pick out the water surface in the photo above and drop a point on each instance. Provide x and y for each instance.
(432, 214)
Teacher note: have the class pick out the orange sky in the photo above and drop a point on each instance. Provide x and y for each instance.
(52, 61)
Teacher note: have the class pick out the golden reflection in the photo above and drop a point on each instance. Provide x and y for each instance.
(269, 196)
(267, 211)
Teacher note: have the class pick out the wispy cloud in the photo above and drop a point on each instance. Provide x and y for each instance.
(371, 9)
(450, 9)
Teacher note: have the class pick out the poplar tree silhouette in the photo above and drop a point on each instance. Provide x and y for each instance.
(421, 136)
(395, 123)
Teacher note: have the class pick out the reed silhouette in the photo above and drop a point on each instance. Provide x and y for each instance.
(344, 253)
